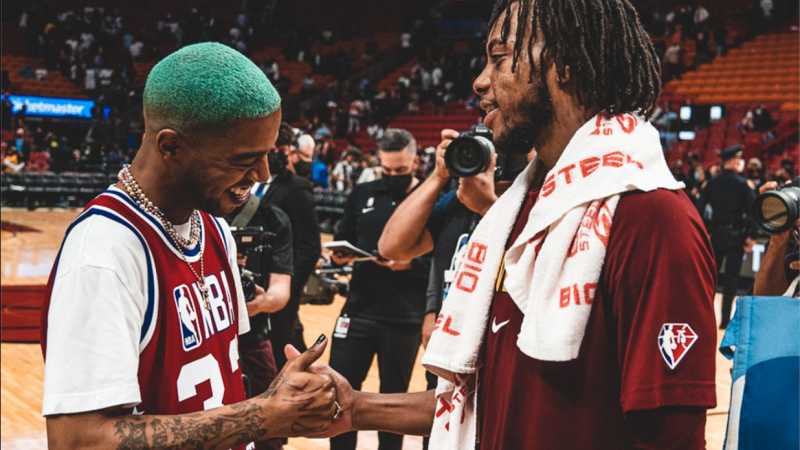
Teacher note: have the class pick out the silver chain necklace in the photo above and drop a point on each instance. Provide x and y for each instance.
(182, 243)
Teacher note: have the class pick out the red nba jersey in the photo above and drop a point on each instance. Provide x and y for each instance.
(188, 355)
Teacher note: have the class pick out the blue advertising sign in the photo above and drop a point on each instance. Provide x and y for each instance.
(53, 107)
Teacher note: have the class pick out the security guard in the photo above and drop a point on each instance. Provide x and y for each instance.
(386, 302)
(731, 199)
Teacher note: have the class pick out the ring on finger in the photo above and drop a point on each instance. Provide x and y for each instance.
(338, 411)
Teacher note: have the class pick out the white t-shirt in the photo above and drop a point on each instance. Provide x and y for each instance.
(99, 298)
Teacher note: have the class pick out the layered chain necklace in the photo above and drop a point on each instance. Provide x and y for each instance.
(183, 244)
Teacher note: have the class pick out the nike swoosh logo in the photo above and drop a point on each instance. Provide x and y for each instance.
(496, 326)
(366, 210)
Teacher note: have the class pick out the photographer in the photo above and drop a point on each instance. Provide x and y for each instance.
(422, 223)
(269, 273)
(780, 264)
(386, 302)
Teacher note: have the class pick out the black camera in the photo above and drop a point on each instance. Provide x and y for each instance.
(777, 211)
(255, 244)
(323, 285)
(470, 153)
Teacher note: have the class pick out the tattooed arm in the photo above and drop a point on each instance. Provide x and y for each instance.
(296, 404)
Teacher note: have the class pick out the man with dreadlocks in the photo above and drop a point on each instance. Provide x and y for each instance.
(581, 315)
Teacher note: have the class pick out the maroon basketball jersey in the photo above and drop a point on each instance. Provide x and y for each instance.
(188, 355)
(658, 274)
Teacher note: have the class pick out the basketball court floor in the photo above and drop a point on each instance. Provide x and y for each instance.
(30, 241)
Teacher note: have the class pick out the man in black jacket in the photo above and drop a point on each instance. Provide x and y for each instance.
(386, 302)
(293, 195)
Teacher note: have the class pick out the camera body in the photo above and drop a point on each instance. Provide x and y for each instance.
(323, 285)
(777, 211)
(256, 244)
(470, 153)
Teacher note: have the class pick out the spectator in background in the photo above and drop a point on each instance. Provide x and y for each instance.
(371, 170)
(746, 125)
(699, 177)
(343, 171)
(90, 81)
(672, 62)
(7, 115)
(762, 119)
(301, 158)
(136, 48)
(115, 158)
(677, 171)
(61, 156)
(76, 164)
(700, 16)
(319, 172)
(307, 88)
(755, 173)
(355, 113)
(665, 119)
(405, 41)
(22, 144)
(766, 8)
(12, 162)
(784, 173)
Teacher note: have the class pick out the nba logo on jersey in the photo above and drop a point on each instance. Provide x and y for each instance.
(190, 322)
(674, 341)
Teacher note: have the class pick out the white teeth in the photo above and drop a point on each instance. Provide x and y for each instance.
(239, 191)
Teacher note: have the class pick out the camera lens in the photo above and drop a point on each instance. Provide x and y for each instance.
(468, 156)
(777, 211)
(248, 288)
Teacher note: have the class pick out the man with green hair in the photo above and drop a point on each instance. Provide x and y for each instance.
(144, 305)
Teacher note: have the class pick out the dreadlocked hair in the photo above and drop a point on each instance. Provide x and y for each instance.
(610, 56)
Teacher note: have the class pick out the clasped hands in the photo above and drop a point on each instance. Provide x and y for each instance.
(309, 398)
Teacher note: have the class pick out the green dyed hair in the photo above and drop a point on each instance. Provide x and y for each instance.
(205, 88)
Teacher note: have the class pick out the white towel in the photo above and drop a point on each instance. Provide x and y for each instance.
(552, 268)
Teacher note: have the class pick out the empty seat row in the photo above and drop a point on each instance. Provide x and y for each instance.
(33, 189)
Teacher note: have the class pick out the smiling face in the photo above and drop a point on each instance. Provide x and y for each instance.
(221, 170)
(518, 104)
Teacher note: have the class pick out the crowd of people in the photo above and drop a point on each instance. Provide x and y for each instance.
(93, 48)
(688, 35)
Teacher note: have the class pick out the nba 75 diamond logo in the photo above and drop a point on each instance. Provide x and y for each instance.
(674, 341)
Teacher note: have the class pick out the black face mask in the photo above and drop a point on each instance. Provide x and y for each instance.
(302, 168)
(398, 184)
(277, 162)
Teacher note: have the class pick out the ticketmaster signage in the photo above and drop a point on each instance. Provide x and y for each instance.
(53, 107)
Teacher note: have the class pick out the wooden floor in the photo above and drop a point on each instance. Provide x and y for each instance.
(26, 259)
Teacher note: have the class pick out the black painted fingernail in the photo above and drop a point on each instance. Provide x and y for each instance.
(320, 339)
